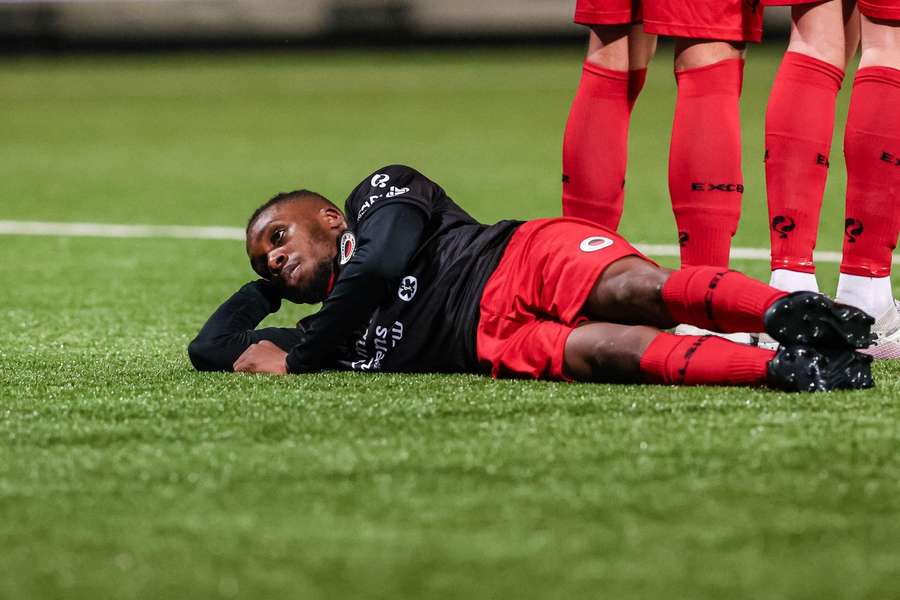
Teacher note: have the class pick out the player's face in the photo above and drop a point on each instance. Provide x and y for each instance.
(294, 245)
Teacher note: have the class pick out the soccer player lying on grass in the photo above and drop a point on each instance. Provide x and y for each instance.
(409, 282)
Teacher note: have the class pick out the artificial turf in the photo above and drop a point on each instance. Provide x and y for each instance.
(125, 474)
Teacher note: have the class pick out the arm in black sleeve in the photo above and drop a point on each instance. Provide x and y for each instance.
(230, 330)
(386, 241)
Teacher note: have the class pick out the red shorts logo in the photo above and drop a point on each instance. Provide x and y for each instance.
(594, 243)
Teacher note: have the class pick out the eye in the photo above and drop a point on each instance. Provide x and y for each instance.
(277, 236)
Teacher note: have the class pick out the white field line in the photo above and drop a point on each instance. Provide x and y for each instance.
(119, 231)
(237, 233)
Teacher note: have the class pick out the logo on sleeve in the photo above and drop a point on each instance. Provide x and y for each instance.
(379, 180)
(348, 247)
(594, 243)
(408, 288)
(395, 191)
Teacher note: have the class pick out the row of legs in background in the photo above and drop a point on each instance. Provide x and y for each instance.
(705, 147)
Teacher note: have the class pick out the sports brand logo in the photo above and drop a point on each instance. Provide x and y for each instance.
(683, 238)
(380, 180)
(395, 191)
(408, 288)
(699, 186)
(853, 228)
(594, 243)
(783, 226)
(348, 247)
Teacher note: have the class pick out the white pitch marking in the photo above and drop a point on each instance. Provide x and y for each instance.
(237, 233)
(120, 231)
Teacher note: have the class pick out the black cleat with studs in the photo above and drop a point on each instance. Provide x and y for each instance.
(805, 369)
(811, 319)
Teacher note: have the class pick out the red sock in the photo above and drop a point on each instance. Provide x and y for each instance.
(705, 179)
(595, 146)
(872, 150)
(799, 127)
(703, 360)
(718, 299)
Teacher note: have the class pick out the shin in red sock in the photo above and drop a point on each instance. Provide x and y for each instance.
(595, 146)
(799, 127)
(703, 360)
(872, 151)
(705, 178)
(718, 299)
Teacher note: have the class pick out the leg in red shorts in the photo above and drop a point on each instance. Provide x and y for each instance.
(568, 297)
(872, 151)
(799, 126)
(595, 145)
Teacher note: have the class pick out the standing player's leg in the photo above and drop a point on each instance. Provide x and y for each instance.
(705, 178)
(872, 152)
(799, 128)
(595, 144)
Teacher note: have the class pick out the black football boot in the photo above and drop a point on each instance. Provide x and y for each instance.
(811, 319)
(805, 369)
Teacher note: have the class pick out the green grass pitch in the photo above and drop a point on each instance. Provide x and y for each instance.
(124, 474)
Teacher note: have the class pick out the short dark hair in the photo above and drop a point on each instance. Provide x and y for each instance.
(294, 196)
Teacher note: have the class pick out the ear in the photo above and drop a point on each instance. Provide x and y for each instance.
(334, 219)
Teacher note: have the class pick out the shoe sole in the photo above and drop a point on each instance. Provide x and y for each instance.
(811, 319)
(850, 371)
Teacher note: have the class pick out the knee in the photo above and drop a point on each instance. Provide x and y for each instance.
(639, 285)
(616, 356)
(693, 54)
(826, 49)
(608, 47)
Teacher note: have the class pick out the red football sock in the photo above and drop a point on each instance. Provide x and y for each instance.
(799, 127)
(705, 179)
(703, 360)
(595, 146)
(872, 150)
(718, 299)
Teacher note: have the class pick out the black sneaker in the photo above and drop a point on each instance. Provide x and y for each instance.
(804, 369)
(811, 319)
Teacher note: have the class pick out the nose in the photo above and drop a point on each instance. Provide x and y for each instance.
(276, 260)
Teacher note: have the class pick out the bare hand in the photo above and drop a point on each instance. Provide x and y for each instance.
(263, 357)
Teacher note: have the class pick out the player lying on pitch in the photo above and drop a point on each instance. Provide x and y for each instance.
(410, 282)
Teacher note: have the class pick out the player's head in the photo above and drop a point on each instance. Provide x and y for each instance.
(292, 241)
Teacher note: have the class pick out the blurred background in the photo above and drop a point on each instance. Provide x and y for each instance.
(43, 24)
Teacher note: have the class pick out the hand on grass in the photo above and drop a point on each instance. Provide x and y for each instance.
(263, 357)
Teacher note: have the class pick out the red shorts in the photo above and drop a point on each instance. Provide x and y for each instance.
(726, 20)
(889, 10)
(534, 298)
(788, 2)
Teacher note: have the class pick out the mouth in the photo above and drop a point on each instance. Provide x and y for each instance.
(289, 275)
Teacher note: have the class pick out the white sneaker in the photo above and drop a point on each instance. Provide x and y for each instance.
(887, 330)
(740, 338)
